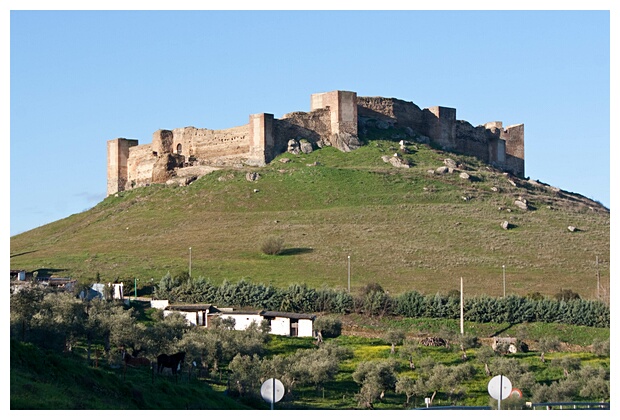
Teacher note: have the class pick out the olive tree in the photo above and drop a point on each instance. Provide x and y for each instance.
(394, 337)
(408, 386)
(408, 350)
(547, 344)
(315, 366)
(244, 375)
(24, 304)
(60, 320)
(375, 379)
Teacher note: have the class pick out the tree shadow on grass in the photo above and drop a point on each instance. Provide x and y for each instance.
(497, 333)
(296, 251)
(23, 253)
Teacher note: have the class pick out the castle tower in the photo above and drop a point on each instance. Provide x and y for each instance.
(515, 151)
(261, 139)
(343, 110)
(118, 152)
(442, 126)
(162, 142)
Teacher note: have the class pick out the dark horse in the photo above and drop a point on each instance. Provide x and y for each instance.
(174, 362)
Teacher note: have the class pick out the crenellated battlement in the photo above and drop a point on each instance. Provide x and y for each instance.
(335, 119)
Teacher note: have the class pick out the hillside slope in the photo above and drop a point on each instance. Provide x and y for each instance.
(45, 380)
(404, 228)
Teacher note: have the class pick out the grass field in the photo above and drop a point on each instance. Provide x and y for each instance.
(403, 228)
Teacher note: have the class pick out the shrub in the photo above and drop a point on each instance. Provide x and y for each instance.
(328, 326)
(535, 296)
(601, 347)
(273, 246)
(371, 287)
(566, 294)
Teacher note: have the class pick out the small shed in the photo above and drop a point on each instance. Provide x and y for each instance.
(196, 314)
(243, 319)
(290, 324)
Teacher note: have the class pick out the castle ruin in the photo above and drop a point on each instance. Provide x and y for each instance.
(335, 119)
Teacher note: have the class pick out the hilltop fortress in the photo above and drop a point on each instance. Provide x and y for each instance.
(335, 119)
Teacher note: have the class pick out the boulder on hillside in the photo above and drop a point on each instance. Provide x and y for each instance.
(398, 162)
(522, 204)
(293, 147)
(450, 163)
(506, 225)
(252, 176)
(464, 175)
(181, 181)
(345, 142)
(441, 170)
(305, 146)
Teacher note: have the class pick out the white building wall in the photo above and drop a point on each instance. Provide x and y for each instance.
(159, 304)
(243, 321)
(118, 291)
(189, 316)
(281, 326)
(304, 328)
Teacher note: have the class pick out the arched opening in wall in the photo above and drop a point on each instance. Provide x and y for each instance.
(179, 149)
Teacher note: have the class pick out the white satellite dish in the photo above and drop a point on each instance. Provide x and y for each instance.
(500, 387)
(272, 390)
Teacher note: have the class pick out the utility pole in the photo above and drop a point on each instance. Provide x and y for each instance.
(462, 329)
(598, 281)
(349, 273)
(190, 262)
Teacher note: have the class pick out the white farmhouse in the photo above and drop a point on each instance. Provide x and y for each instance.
(289, 324)
(243, 319)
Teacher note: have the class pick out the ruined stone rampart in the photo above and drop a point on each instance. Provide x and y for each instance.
(140, 166)
(213, 147)
(395, 112)
(314, 126)
(335, 119)
(475, 141)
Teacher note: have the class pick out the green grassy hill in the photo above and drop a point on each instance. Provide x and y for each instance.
(46, 380)
(404, 228)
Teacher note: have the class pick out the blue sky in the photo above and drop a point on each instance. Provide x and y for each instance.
(80, 78)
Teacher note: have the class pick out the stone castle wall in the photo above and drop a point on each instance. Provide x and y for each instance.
(140, 167)
(396, 112)
(335, 118)
(213, 147)
(314, 126)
